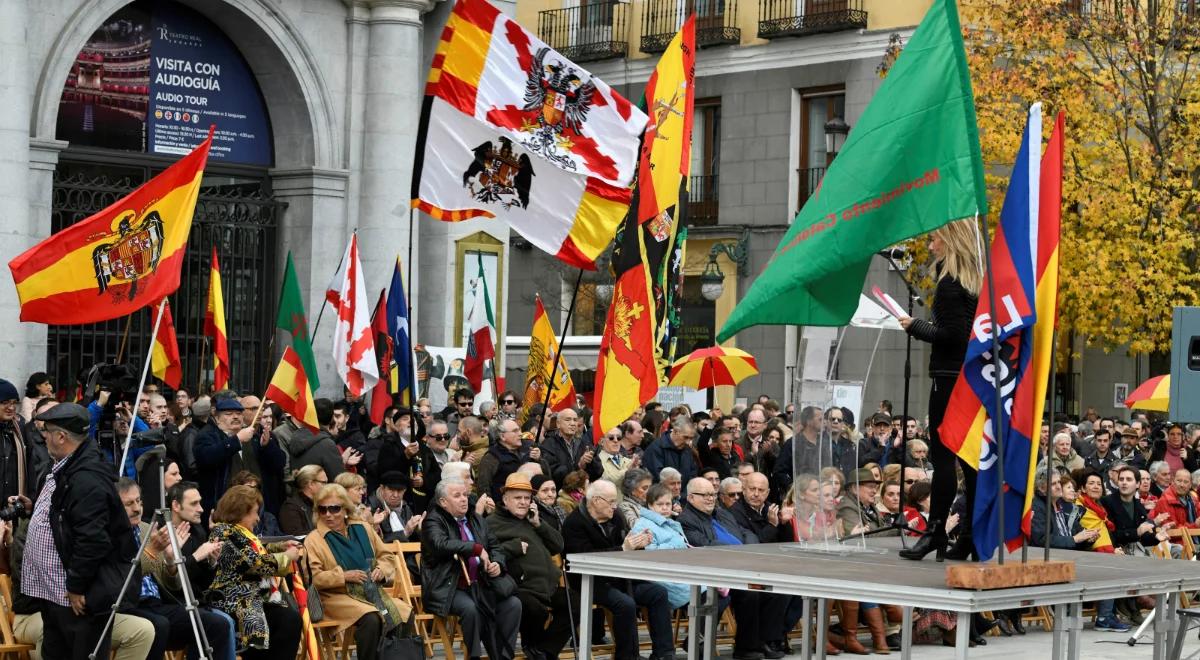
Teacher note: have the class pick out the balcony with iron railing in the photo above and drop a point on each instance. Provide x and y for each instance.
(589, 32)
(793, 18)
(702, 201)
(716, 22)
(810, 180)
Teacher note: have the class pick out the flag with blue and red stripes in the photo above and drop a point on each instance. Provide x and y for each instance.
(968, 428)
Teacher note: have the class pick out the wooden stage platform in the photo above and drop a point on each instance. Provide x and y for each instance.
(883, 577)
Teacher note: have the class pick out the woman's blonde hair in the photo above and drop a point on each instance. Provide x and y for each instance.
(961, 260)
(350, 480)
(333, 490)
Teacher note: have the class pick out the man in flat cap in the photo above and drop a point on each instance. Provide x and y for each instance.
(216, 446)
(79, 543)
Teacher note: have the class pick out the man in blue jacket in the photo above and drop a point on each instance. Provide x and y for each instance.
(217, 444)
(674, 450)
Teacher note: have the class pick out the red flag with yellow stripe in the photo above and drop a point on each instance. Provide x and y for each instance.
(117, 261)
(290, 389)
(214, 326)
(164, 357)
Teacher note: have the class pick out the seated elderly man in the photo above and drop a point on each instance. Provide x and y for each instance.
(457, 550)
(1179, 502)
(595, 527)
(759, 616)
(530, 547)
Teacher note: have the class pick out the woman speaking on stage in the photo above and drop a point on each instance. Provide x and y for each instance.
(955, 250)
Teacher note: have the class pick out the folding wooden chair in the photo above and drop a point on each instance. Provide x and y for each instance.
(404, 589)
(10, 648)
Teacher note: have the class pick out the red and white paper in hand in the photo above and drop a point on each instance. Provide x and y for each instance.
(889, 303)
(353, 344)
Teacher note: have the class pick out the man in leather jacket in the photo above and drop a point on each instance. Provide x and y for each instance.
(457, 551)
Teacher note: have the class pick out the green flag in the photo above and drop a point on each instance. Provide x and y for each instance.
(911, 165)
(292, 320)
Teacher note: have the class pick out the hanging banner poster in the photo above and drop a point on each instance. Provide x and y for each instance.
(153, 78)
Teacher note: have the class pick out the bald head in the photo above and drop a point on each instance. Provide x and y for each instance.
(702, 495)
(755, 489)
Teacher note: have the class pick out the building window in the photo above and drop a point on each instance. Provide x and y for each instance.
(706, 156)
(816, 108)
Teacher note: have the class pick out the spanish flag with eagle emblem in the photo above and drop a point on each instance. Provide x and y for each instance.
(628, 374)
(119, 260)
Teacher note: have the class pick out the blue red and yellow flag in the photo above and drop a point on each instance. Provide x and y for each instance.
(1030, 403)
(968, 428)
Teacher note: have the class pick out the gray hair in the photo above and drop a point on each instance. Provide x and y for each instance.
(599, 485)
(729, 482)
(1158, 465)
(439, 491)
(456, 470)
(486, 406)
(633, 477)
(667, 474)
(683, 423)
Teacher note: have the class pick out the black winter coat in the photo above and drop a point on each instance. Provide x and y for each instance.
(663, 453)
(91, 529)
(563, 457)
(1126, 527)
(756, 522)
(441, 548)
(392, 458)
(949, 329)
(581, 533)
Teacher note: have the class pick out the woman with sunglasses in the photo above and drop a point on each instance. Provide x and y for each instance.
(349, 564)
(510, 405)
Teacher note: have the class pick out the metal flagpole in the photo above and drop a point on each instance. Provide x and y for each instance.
(1049, 417)
(997, 433)
(141, 385)
(562, 345)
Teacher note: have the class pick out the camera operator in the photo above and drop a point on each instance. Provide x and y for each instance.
(79, 540)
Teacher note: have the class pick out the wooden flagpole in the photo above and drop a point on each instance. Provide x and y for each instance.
(142, 384)
(124, 339)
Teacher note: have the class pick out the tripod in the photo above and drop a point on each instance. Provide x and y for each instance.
(189, 598)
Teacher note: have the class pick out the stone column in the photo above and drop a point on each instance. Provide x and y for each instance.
(22, 344)
(394, 82)
(316, 200)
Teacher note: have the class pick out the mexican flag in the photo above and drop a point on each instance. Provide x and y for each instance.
(910, 165)
(481, 343)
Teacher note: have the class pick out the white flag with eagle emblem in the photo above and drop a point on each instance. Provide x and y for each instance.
(494, 70)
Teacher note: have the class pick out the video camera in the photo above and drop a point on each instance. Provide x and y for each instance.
(121, 383)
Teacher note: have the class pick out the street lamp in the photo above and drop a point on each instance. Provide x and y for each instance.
(836, 130)
(712, 280)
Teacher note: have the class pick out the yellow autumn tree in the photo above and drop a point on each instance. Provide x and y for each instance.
(1125, 72)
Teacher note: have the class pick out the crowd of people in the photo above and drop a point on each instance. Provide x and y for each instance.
(261, 506)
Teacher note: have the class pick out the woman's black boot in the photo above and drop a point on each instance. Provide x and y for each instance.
(934, 540)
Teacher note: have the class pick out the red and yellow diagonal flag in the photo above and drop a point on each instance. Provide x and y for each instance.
(117, 261)
(214, 327)
(164, 357)
(290, 389)
(628, 374)
(308, 634)
(544, 353)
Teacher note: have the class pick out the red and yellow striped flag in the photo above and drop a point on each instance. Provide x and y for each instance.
(214, 326)
(164, 358)
(289, 388)
(309, 641)
(118, 260)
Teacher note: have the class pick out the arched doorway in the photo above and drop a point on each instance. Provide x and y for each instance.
(142, 89)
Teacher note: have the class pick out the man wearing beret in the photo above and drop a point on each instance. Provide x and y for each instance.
(79, 543)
